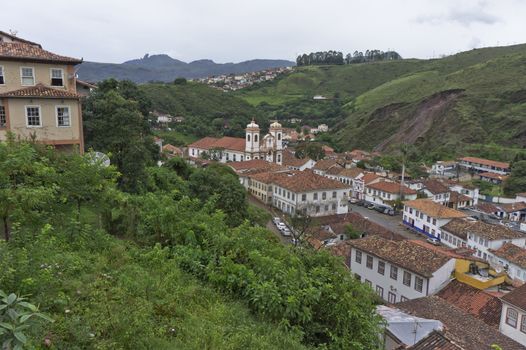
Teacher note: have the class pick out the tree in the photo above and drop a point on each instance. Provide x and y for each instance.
(26, 184)
(16, 317)
(84, 179)
(218, 183)
(180, 81)
(313, 150)
(516, 182)
(116, 125)
(352, 233)
(302, 224)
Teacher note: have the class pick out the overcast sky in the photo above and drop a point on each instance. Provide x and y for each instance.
(237, 30)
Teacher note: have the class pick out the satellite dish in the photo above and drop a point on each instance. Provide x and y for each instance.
(99, 158)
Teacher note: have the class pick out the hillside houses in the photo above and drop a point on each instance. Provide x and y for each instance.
(233, 82)
(481, 165)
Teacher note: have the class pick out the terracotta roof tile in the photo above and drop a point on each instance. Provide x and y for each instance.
(517, 297)
(461, 228)
(512, 207)
(486, 162)
(455, 197)
(306, 181)
(370, 177)
(435, 341)
(512, 253)
(40, 91)
(326, 164)
(32, 53)
(225, 142)
(493, 176)
(435, 187)
(487, 207)
(351, 172)
(391, 187)
(475, 302)
(433, 209)
(404, 253)
(289, 159)
(463, 329)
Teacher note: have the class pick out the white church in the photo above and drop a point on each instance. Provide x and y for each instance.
(235, 149)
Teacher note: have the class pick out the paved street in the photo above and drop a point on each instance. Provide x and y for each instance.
(271, 211)
(393, 223)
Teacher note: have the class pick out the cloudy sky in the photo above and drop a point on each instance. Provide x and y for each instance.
(236, 30)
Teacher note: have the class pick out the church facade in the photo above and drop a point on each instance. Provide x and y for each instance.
(233, 149)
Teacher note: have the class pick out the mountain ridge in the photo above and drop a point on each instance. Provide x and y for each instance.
(164, 68)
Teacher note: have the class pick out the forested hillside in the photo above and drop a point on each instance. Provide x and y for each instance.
(474, 101)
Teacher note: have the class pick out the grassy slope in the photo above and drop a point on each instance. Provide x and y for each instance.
(492, 108)
(194, 99)
(104, 293)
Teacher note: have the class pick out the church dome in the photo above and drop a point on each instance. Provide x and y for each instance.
(275, 125)
(252, 125)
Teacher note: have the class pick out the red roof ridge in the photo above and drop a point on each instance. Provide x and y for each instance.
(42, 91)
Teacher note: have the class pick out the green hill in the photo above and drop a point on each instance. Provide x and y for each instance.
(447, 106)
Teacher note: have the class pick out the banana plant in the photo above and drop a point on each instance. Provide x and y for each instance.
(16, 317)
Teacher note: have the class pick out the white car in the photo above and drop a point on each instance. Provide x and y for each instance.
(276, 220)
(285, 232)
(434, 241)
(281, 225)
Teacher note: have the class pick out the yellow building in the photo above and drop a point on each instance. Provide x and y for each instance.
(38, 94)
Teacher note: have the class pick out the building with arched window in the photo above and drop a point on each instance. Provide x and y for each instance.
(234, 149)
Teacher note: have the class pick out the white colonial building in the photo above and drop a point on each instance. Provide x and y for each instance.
(481, 165)
(386, 193)
(304, 192)
(512, 259)
(513, 316)
(233, 149)
(479, 236)
(399, 270)
(427, 217)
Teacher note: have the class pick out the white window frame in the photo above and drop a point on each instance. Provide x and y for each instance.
(56, 116)
(39, 116)
(51, 77)
(2, 74)
(22, 77)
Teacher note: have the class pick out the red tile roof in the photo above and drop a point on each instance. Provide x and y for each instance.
(370, 177)
(40, 91)
(475, 302)
(226, 142)
(326, 164)
(289, 159)
(307, 181)
(517, 297)
(512, 207)
(461, 228)
(486, 162)
(405, 254)
(17, 39)
(391, 187)
(351, 172)
(435, 187)
(32, 53)
(455, 197)
(493, 176)
(463, 329)
(433, 209)
(435, 341)
(512, 253)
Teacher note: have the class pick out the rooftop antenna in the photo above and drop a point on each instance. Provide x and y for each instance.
(13, 32)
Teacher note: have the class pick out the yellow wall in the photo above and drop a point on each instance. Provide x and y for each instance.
(42, 72)
(462, 267)
(49, 132)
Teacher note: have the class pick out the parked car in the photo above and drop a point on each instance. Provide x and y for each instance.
(361, 203)
(353, 200)
(285, 232)
(275, 220)
(434, 241)
(370, 206)
(380, 209)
